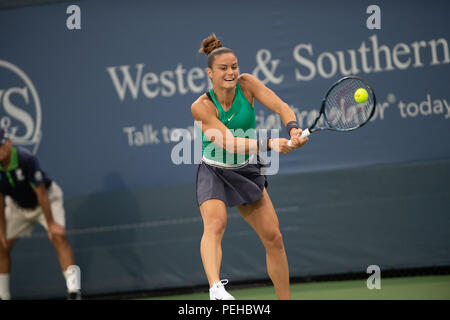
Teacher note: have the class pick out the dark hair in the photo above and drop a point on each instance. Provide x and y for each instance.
(212, 47)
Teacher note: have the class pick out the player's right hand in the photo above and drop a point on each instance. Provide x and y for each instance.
(296, 142)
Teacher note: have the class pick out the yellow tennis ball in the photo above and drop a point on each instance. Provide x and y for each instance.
(361, 95)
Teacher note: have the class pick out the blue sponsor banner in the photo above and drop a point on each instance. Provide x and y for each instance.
(107, 97)
(101, 93)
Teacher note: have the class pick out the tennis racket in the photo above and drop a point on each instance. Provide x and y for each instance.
(340, 110)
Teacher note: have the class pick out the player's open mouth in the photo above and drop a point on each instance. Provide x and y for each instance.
(229, 79)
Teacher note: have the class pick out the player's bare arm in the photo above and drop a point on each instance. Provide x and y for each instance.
(270, 100)
(205, 116)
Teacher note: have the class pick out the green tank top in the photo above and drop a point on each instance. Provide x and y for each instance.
(240, 119)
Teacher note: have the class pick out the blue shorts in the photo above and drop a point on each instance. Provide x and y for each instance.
(243, 185)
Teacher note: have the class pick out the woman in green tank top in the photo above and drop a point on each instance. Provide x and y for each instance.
(240, 120)
(227, 176)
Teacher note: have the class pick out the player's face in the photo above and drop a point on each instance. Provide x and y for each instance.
(225, 71)
(5, 150)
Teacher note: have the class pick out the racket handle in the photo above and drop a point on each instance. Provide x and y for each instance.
(305, 133)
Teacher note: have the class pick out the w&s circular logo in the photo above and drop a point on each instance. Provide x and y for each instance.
(20, 108)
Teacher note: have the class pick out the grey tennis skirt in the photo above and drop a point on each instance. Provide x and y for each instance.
(244, 185)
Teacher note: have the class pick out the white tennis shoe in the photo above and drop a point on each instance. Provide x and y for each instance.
(218, 292)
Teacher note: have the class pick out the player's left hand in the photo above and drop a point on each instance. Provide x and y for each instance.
(296, 142)
(55, 228)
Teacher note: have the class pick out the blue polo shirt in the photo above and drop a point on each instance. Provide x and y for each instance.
(23, 174)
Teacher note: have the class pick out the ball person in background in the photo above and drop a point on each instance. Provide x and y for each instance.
(27, 196)
(223, 114)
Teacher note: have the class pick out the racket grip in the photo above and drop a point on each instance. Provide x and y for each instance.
(305, 133)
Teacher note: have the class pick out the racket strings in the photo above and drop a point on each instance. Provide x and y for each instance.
(342, 111)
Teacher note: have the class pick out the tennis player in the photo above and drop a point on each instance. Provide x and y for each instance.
(229, 175)
(28, 196)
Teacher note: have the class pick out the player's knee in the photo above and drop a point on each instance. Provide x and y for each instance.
(216, 227)
(274, 240)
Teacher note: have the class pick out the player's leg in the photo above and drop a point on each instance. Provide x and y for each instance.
(5, 269)
(262, 218)
(214, 216)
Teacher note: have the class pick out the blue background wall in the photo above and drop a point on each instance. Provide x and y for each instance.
(345, 201)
